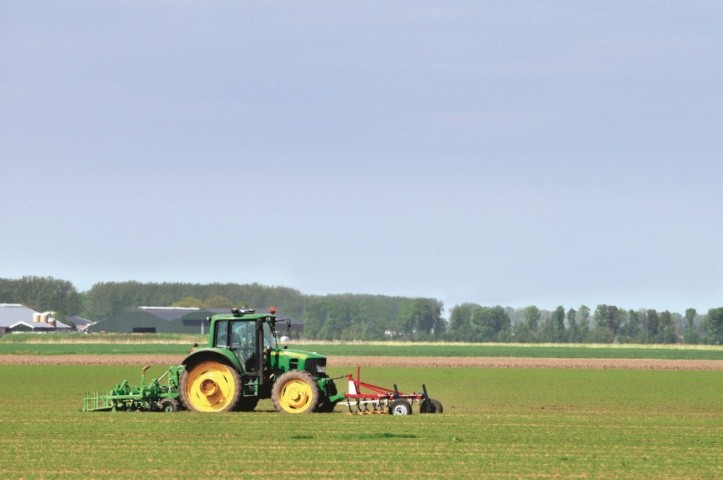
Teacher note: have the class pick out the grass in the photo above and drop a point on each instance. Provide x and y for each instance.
(672, 352)
(102, 338)
(101, 344)
(497, 423)
(93, 349)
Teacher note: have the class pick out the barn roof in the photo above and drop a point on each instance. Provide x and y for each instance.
(11, 313)
(35, 326)
(80, 321)
(168, 313)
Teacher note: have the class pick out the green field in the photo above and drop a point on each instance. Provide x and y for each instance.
(93, 349)
(180, 344)
(79, 338)
(497, 423)
(677, 352)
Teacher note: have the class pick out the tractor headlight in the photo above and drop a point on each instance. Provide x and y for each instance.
(321, 369)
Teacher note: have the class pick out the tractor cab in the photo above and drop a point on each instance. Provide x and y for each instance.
(249, 339)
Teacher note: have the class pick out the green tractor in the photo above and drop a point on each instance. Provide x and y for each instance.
(243, 363)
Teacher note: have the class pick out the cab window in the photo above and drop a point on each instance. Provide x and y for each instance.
(221, 339)
(243, 336)
(269, 339)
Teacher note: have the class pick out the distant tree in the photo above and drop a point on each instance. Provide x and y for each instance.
(527, 330)
(337, 320)
(188, 302)
(630, 329)
(558, 325)
(42, 294)
(690, 335)
(549, 327)
(314, 316)
(608, 319)
(460, 326)
(573, 330)
(418, 318)
(439, 328)
(583, 316)
(532, 318)
(600, 332)
(7, 290)
(490, 324)
(105, 300)
(219, 301)
(667, 333)
(652, 326)
(715, 326)
(459, 320)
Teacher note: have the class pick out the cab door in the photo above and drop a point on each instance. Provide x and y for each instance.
(243, 344)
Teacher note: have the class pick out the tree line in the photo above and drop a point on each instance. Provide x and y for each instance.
(376, 317)
(606, 324)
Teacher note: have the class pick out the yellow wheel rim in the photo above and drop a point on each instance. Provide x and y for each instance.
(210, 387)
(295, 396)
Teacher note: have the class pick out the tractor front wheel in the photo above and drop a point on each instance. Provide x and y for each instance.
(295, 392)
(210, 386)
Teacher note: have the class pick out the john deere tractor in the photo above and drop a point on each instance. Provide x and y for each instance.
(243, 363)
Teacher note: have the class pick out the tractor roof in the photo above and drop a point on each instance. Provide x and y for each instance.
(243, 314)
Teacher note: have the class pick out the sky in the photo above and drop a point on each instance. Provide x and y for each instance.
(506, 153)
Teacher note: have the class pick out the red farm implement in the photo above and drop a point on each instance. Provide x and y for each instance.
(364, 398)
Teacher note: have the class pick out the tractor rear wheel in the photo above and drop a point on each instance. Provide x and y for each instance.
(400, 407)
(430, 405)
(295, 392)
(210, 386)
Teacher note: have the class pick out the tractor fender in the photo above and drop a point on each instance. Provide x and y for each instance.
(216, 354)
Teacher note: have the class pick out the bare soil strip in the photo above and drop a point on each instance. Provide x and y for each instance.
(339, 361)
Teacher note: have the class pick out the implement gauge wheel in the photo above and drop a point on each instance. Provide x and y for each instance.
(210, 386)
(431, 406)
(295, 392)
(168, 405)
(400, 407)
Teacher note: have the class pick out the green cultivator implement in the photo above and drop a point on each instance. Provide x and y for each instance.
(159, 395)
(243, 363)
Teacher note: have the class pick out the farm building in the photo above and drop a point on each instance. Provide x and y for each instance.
(172, 320)
(19, 318)
(81, 324)
(157, 320)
